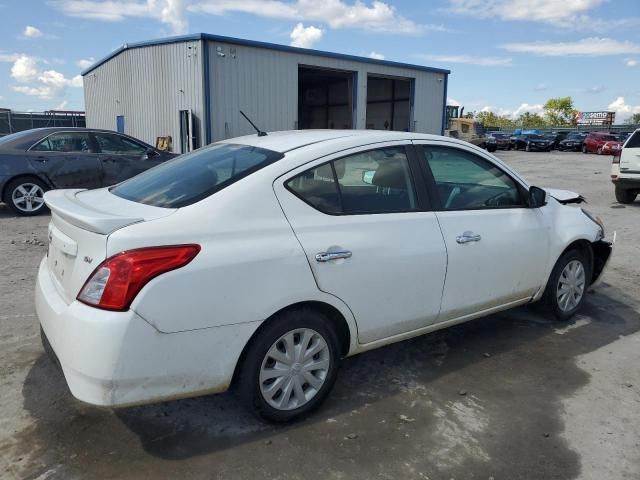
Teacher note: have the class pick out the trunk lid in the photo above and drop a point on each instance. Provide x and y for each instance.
(81, 222)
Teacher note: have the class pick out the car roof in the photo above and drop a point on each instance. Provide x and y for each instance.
(285, 141)
(31, 136)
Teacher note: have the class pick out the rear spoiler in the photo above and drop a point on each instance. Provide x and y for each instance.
(66, 205)
(565, 196)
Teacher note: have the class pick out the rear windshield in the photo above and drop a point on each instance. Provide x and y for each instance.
(194, 176)
(634, 140)
(14, 136)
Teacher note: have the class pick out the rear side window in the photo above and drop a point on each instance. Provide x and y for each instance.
(634, 141)
(190, 178)
(66, 142)
(375, 181)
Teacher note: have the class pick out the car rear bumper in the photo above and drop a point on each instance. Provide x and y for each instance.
(118, 359)
(625, 182)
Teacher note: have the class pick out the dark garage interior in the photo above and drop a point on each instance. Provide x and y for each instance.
(325, 98)
(388, 103)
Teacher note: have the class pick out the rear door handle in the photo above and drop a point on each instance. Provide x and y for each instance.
(328, 256)
(41, 159)
(467, 237)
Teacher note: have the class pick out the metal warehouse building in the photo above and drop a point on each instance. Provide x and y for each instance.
(192, 88)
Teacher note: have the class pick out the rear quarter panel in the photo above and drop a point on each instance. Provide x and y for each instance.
(251, 265)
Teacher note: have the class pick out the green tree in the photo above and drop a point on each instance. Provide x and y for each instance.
(531, 120)
(633, 119)
(559, 111)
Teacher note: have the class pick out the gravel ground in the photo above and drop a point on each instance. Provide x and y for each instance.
(510, 396)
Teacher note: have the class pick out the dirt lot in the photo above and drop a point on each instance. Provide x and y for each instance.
(511, 396)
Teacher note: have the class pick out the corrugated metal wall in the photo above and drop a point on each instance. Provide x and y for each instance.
(148, 86)
(264, 84)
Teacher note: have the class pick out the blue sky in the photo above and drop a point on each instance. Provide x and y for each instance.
(508, 56)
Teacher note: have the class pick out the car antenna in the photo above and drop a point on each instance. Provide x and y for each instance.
(260, 132)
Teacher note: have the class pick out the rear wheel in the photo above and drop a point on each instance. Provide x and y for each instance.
(624, 195)
(599, 151)
(25, 196)
(290, 367)
(567, 286)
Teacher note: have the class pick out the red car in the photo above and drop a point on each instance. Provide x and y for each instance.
(594, 142)
(611, 148)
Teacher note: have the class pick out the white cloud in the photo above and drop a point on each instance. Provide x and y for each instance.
(169, 12)
(379, 16)
(453, 102)
(532, 10)
(305, 37)
(376, 56)
(593, 46)
(9, 57)
(43, 84)
(31, 32)
(514, 114)
(623, 111)
(85, 62)
(24, 69)
(540, 87)
(595, 89)
(468, 59)
(525, 107)
(630, 62)
(61, 106)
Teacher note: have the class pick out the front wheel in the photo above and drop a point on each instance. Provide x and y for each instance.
(25, 196)
(290, 367)
(567, 286)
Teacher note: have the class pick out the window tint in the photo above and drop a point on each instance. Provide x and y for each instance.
(194, 176)
(634, 141)
(376, 181)
(65, 142)
(466, 181)
(112, 143)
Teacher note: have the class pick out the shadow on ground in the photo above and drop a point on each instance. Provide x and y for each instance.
(480, 399)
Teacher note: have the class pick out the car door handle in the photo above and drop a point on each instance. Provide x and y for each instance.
(467, 237)
(41, 159)
(328, 256)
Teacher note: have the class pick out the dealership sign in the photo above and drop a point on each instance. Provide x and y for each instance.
(595, 118)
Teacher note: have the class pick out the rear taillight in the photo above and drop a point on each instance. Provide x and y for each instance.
(115, 282)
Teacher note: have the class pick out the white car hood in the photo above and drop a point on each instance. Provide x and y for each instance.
(565, 196)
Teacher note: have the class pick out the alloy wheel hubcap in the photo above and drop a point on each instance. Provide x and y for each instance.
(28, 197)
(571, 286)
(294, 369)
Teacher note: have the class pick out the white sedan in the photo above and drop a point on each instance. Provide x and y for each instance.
(261, 261)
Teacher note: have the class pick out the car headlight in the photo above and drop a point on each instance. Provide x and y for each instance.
(595, 220)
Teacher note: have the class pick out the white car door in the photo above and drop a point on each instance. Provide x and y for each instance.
(497, 246)
(369, 237)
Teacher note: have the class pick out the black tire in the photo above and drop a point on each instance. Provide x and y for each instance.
(528, 148)
(599, 151)
(549, 298)
(625, 196)
(247, 381)
(584, 149)
(15, 205)
(491, 149)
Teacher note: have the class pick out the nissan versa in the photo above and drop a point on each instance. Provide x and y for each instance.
(259, 262)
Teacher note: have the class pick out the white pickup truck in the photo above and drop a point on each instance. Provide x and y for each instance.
(625, 169)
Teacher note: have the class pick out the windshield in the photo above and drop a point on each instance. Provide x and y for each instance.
(535, 137)
(190, 178)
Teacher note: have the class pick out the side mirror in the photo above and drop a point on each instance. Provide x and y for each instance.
(367, 176)
(537, 197)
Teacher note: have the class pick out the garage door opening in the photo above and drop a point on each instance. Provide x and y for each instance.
(389, 103)
(325, 98)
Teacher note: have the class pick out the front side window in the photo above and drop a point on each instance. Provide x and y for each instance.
(116, 144)
(375, 181)
(634, 140)
(466, 181)
(67, 142)
(189, 178)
